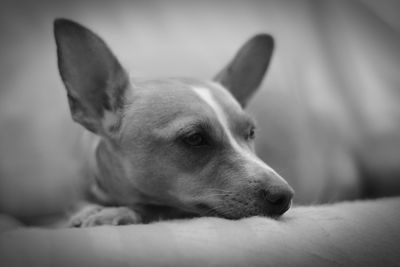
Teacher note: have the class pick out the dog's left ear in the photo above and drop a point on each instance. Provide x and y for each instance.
(95, 81)
(244, 74)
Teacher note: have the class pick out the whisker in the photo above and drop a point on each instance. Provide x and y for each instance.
(222, 190)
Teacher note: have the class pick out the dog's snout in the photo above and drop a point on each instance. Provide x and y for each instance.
(276, 200)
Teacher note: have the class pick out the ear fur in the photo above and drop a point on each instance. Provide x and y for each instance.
(94, 79)
(244, 74)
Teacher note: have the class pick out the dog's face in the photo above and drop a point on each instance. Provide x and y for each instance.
(175, 142)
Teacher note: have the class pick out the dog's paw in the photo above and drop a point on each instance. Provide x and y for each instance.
(97, 215)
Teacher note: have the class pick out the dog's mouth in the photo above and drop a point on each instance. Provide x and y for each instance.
(207, 210)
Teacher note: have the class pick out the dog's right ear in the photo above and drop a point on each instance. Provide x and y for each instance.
(95, 81)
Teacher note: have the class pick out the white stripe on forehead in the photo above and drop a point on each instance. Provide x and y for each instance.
(206, 95)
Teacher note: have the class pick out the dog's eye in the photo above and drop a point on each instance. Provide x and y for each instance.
(252, 134)
(196, 139)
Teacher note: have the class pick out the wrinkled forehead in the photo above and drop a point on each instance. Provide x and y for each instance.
(162, 101)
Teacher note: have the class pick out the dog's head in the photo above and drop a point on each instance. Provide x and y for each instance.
(176, 142)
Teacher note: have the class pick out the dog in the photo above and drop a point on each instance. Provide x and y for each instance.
(165, 148)
(168, 146)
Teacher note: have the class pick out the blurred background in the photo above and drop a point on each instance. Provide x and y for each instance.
(328, 110)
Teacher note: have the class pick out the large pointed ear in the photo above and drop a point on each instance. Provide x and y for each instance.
(95, 81)
(244, 74)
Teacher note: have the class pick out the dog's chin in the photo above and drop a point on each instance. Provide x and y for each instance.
(206, 210)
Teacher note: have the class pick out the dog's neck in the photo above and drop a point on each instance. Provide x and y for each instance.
(103, 171)
(94, 190)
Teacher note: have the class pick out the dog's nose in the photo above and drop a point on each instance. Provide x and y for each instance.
(277, 199)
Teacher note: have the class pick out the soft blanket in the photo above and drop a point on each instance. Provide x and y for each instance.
(347, 234)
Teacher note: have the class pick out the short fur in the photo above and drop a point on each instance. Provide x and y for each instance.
(169, 147)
